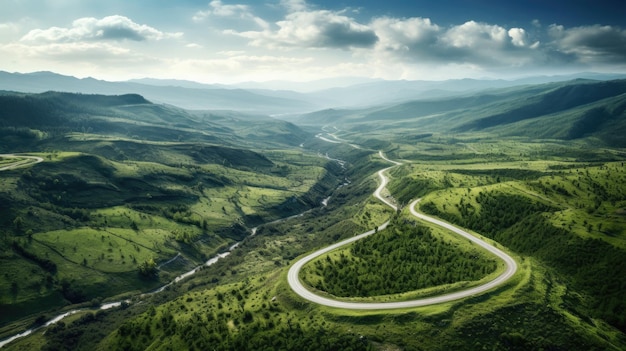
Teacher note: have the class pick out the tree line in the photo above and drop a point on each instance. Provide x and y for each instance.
(403, 258)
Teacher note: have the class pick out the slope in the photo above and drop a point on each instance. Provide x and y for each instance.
(563, 110)
(190, 97)
(132, 193)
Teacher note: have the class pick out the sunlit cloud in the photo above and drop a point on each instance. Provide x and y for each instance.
(313, 29)
(112, 28)
(244, 40)
(217, 8)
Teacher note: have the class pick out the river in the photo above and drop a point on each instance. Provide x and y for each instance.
(185, 275)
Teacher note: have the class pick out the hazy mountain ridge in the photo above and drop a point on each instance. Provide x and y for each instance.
(562, 110)
(274, 97)
(132, 116)
(560, 99)
(196, 97)
(139, 182)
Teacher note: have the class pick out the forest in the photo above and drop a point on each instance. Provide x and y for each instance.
(522, 225)
(404, 257)
(131, 194)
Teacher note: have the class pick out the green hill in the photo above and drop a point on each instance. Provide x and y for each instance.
(126, 182)
(564, 110)
(132, 193)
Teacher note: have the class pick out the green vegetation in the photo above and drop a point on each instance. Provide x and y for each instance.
(404, 257)
(578, 109)
(523, 225)
(171, 188)
(136, 185)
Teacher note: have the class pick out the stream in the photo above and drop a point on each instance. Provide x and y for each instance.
(185, 275)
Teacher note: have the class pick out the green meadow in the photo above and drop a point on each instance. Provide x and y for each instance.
(115, 212)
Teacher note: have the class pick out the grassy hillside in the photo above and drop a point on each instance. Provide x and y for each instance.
(243, 302)
(570, 220)
(548, 188)
(131, 116)
(565, 110)
(127, 184)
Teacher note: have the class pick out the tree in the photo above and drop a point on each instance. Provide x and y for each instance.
(148, 268)
(18, 224)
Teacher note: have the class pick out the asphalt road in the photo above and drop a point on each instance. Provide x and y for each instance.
(297, 286)
(29, 161)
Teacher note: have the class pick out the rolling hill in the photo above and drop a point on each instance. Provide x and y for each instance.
(563, 110)
(132, 193)
(125, 183)
(189, 96)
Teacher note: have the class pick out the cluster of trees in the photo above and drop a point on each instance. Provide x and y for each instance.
(148, 269)
(592, 266)
(230, 329)
(44, 263)
(520, 327)
(498, 211)
(404, 257)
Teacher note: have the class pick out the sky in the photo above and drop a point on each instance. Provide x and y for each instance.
(230, 41)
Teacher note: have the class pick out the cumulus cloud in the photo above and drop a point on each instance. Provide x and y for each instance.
(314, 29)
(518, 36)
(405, 34)
(419, 41)
(475, 35)
(217, 8)
(110, 28)
(591, 43)
(89, 42)
(475, 44)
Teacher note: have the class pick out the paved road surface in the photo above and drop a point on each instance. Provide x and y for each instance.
(29, 161)
(296, 284)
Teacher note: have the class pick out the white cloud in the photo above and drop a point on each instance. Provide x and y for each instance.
(344, 42)
(313, 29)
(475, 35)
(236, 66)
(404, 34)
(596, 43)
(470, 45)
(97, 54)
(217, 8)
(518, 36)
(92, 29)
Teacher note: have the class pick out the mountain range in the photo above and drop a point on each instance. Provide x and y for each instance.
(272, 98)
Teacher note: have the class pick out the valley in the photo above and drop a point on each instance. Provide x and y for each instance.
(105, 199)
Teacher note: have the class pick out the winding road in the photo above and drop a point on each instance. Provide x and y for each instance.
(27, 161)
(296, 284)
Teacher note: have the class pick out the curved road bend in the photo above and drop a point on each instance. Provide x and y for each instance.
(297, 286)
(29, 160)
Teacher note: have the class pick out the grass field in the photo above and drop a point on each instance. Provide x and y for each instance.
(557, 206)
(92, 220)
